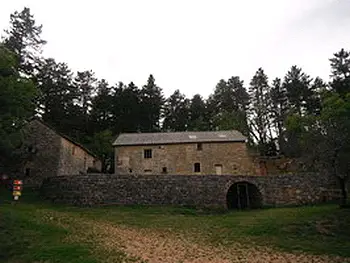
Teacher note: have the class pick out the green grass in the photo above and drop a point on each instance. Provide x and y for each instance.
(314, 229)
(27, 235)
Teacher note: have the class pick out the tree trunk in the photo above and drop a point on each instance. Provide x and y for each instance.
(344, 193)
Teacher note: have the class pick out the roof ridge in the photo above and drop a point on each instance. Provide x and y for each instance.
(64, 136)
(178, 132)
(179, 137)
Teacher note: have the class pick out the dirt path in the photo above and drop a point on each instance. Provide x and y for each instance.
(158, 248)
(161, 247)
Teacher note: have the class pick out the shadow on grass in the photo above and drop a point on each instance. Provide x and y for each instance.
(22, 239)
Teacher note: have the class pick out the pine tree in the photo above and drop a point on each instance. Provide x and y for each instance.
(241, 104)
(278, 110)
(241, 96)
(259, 119)
(297, 85)
(101, 112)
(85, 86)
(340, 67)
(224, 98)
(129, 108)
(23, 38)
(56, 93)
(85, 82)
(198, 114)
(313, 97)
(116, 107)
(176, 117)
(152, 103)
(340, 64)
(229, 104)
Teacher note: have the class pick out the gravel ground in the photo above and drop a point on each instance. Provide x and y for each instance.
(154, 246)
(157, 247)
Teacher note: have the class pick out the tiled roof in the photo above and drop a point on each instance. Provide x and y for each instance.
(178, 137)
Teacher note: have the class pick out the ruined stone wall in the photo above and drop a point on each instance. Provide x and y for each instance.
(191, 190)
(180, 159)
(42, 145)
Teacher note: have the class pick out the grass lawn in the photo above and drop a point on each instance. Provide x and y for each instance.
(34, 231)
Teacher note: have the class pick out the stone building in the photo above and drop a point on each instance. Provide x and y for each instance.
(183, 153)
(53, 154)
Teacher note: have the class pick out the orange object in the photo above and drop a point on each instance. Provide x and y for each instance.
(16, 193)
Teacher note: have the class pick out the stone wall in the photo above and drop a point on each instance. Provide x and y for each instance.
(42, 145)
(180, 159)
(49, 154)
(190, 190)
(74, 159)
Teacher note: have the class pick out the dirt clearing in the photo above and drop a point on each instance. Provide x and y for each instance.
(148, 245)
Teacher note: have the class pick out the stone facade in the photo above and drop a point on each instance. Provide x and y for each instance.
(51, 154)
(180, 159)
(190, 190)
(74, 159)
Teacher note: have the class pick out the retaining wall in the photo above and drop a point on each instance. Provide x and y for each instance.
(190, 190)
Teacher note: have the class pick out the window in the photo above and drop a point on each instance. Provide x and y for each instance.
(164, 170)
(27, 171)
(73, 150)
(197, 167)
(130, 170)
(199, 146)
(147, 171)
(147, 153)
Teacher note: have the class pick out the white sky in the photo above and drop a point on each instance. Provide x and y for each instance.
(190, 44)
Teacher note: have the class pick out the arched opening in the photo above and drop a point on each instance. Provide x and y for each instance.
(243, 195)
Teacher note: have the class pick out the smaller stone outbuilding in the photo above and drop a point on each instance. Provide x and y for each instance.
(183, 153)
(51, 153)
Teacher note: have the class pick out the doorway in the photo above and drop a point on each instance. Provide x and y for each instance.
(218, 169)
(243, 195)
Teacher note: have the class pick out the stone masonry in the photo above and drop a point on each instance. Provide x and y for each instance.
(52, 154)
(189, 190)
(180, 158)
(44, 144)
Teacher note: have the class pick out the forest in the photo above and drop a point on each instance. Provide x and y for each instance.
(297, 116)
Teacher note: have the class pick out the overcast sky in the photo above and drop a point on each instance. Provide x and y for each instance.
(190, 44)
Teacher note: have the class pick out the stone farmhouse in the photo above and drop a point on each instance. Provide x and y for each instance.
(182, 153)
(200, 169)
(53, 154)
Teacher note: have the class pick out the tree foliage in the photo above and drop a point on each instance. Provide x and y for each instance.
(294, 115)
(198, 114)
(176, 115)
(152, 103)
(17, 95)
(23, 38)
(258, 111)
